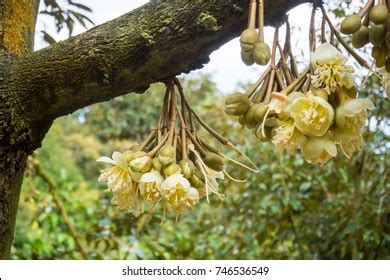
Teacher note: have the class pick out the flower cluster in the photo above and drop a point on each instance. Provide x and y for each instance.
(173, 166)
(315, 112)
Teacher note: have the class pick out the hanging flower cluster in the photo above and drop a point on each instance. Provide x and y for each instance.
(315, 111)
(173, 166)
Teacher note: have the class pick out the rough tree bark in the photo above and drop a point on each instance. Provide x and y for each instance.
(152, 43)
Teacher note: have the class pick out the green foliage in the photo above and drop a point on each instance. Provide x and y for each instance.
(290, 210)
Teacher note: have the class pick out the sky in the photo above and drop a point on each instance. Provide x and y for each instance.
(225, 64)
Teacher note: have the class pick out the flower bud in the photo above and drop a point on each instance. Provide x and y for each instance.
(157, 164)
(172, 169)
(249, 36)
(247, 47)
(196, 182)
(266, 136)
(167, 154)
(249, 117)
(351, 24)
(237, 104)
(247, 57)
(377, 34)
(378, 14)
(213, 161)
(260, 110)
(187, 168)
(361, 37)
(261, 53)
(141, 162)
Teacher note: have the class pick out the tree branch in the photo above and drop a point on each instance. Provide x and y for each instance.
(152, 43)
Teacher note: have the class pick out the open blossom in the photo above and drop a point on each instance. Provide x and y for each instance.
(288, 137)
(348, 141)
(149, 185)
(330, 71)
(212, 183)
(178, 192)
(312, 115)
(126, 199)
(319, 150)
(118, 176)
(352, 114)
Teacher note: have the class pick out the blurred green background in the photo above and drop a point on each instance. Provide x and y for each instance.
(290, 210)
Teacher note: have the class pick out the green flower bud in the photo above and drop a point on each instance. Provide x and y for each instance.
(261, 53)
(260, 110)
(247, 57)
(378, 14)
(141, 162)
(351, 24)
(196, 182)
(237, 104)
(213, 161)
(361, 37)
(247, 47)
(380, 61)
(167, 154)
(157, 164)
(377, 34)
(312, 115)
(187, 168)
(249, 117)
(249, 36)
(172, 169)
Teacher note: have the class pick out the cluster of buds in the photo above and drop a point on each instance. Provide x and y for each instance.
(253, 47)
(173, 166)
(372, 26)
(315, 111)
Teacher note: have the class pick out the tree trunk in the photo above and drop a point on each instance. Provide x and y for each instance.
(155, 42)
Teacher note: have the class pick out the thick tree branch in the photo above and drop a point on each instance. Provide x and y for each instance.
(154, 42)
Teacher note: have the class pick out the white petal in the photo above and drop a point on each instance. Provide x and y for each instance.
(106, 160)
(152, 177)
(119, 159)
(326, 53)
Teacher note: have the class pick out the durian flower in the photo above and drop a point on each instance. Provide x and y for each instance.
(319, 150)
(330, 71)
(212, 183)
(348, 141)
(312, 115)
(118, 176)
(287, 137)
(352, 114)
(178, 192)
(289, 100)
(126, 199)
(149, 186)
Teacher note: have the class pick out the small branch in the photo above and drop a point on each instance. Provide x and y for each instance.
(53, 189)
